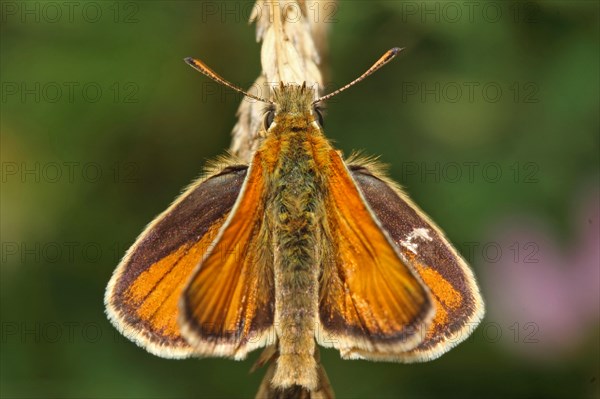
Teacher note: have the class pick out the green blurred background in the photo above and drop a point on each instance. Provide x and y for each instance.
(489, 119)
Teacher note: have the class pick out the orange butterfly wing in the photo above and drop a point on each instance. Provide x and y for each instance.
(370, 299)
(142, 296)
(227, 308)
(459, 306)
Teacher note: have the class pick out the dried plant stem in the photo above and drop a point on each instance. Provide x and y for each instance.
(291, 40)
(266, 391)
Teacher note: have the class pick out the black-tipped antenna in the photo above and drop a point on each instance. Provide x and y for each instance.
(387, 57)
(201, 67)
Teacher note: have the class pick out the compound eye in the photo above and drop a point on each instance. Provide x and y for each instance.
(319, 116)
(269, 117)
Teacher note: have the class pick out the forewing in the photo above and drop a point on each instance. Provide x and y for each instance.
(370, 300)
(142, 296)
(458, 304)
(228, 306)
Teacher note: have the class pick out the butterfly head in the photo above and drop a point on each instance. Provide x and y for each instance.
(294, 107)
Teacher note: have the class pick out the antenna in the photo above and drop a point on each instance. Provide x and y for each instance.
(387, 57)
(201, 67)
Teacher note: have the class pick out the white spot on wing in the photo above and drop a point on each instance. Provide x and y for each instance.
(418, 233)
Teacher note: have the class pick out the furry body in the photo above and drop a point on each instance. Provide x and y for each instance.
(294, 173)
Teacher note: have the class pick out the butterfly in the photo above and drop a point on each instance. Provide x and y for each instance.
(297, 248)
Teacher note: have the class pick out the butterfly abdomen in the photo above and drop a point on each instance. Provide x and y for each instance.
(294, 211)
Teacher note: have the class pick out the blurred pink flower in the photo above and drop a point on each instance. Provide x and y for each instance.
(551, 293)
